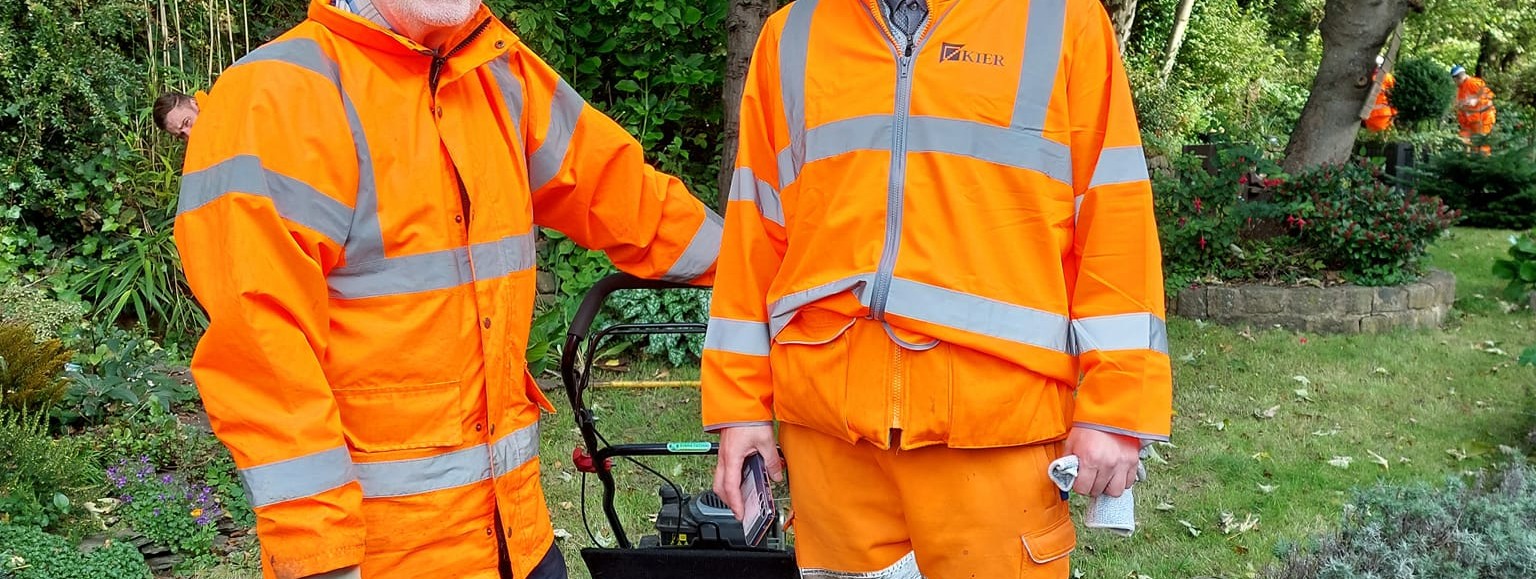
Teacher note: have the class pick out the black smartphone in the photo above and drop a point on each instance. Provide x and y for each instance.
(757, 499)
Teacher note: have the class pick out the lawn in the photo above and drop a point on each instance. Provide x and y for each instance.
(1272, 430)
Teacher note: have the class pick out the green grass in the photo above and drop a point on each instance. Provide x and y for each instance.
(1409, 395)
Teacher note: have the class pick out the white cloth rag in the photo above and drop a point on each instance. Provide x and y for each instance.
(1114, 514)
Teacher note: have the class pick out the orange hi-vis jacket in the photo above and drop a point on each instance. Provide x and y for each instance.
(1474, 106)
(357, 216)
(1383, 113)
(945, 236)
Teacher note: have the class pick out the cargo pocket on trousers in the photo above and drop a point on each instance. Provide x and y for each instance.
(1052, 543)
(402, 417)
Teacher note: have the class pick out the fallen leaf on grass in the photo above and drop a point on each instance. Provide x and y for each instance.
(1378, 459)
(1079, 574)
(1193, 530)
(1231, 526)
(1247, 335)
(1341, 461)
(566, 476)
(562, 534)
(567, 505)
(1509, 450)
(1259, 455)
(1267, 489)
(1219, 425)
(1165, 506)
(1404, 460)
(1381, 371)
(1490, 347)
(1267, 413)
(1303, 395)
(1458, 453)
(1303, 380)
(1331, 432)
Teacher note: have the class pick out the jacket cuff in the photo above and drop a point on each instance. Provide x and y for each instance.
(1145, 437)
(716, 428)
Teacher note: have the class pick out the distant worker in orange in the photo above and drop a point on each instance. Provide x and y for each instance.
(1383, 113)
(1474, 106)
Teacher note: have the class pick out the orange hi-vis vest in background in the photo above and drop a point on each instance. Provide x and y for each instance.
(1474, 107)
(940, 236)
(357, 216)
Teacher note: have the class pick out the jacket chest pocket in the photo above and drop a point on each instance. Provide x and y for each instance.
(402, 417)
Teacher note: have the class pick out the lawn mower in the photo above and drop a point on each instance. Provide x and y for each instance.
(697, 537)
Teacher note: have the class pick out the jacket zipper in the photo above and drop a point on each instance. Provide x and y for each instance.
(896, 188)
(435, 72)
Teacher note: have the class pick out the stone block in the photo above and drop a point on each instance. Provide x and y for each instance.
(547, 283)
(1224, 303)
(1444, 284)
(1382, 323)
(1191, 303)
(1334, 324)
(1421, 296)
(1263, 300)
(1533, 302)
(1358, 300)
(1390, 299)
(1313, 301)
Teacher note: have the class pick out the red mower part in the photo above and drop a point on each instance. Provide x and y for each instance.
(584, 463)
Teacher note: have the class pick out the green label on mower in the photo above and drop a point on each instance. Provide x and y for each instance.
(688, 447)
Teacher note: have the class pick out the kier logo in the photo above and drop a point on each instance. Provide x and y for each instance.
(957, 53)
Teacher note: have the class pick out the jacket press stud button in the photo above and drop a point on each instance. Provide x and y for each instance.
(486, 322)
(501, 44)
(479, 427)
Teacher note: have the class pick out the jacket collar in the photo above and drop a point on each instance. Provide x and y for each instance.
(492, 42)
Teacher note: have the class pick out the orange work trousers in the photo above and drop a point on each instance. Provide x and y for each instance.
(932, 512)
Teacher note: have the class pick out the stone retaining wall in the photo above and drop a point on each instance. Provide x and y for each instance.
(1344, 309)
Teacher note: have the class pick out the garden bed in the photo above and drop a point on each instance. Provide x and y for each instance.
(1339, 309)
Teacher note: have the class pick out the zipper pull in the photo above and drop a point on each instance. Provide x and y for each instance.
(909, 47)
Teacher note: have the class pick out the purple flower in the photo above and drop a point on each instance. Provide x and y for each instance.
(166, 479)
(157, 512)
(126, 498)
(203, 520)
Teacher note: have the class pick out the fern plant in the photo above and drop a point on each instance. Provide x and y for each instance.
(31, 372)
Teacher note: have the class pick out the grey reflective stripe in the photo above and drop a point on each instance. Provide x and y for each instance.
(978, 315)
(1119, 165)
(1042, 56)
(782, 310)
(1077, 207)
(400, 478)
(905, 568)
(992, 144)
(503, 257)
(701, 253)
(794, 50)
(745, 186)
(296, 478)
(365, 242)
(295, 200)
(516, 449)
(1142, 331)
(788, 170)
(1120, 431)
(434, 270)
(565, 109)
(511, 90)
(737, 337)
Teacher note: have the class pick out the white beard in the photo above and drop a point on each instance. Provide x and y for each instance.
(434, 13)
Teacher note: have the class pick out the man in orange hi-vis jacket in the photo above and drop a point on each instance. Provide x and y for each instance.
(357, 217)
(1474, 107)
(940, 272)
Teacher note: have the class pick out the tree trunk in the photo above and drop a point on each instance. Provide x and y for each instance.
(1122, 13)
(743, 23)
(1176, 41)
(1353, 33)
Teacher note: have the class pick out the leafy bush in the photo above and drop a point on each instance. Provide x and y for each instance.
(141, 275)
(31, 372)
(1481, 530)
(167, 510)
(1520, 268)
(44, 478)
(119, 370)
(189, 451)
(656, 67)
(1373, 232)
(679, 306)
(29, 553)
(1424, 91)
(31, 307)
(1496, 191)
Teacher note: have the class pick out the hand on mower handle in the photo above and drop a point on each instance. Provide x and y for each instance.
(736, 444)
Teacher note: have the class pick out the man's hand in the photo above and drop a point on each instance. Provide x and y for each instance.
(736, 444)
(1106, 462)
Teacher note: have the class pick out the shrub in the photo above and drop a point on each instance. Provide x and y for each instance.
(1424, 91)
(1520, 268)
(1467, 530)
(1200, 213)
(167, 510)
(1373, 232)
(44, 478)
(31, 307)
(119, 371)
(29, 553)
(31, 372)
(1496, 191)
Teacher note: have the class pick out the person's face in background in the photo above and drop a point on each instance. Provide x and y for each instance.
(179, 121)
